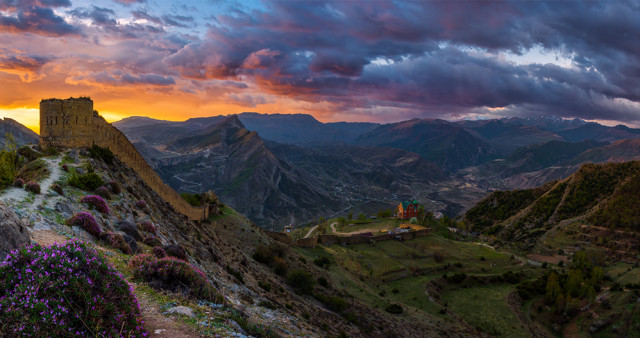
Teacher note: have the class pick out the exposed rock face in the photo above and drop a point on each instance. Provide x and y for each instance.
(12, 233)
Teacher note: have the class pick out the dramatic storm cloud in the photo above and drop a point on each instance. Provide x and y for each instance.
(339, 60)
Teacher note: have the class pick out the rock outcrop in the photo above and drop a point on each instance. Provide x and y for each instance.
(12, 233)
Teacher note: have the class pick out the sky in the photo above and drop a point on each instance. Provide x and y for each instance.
(381, 61)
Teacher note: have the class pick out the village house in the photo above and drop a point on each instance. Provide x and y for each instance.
(408, 209)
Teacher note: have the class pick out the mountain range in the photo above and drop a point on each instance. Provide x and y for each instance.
(21, 134)
(275, 167)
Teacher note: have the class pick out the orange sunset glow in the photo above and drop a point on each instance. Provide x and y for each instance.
(338, 61)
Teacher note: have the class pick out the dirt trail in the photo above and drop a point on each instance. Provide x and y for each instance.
(310, 231)
(157, 324)
(17, 195)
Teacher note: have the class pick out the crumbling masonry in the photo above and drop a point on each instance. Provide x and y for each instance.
(73, 123)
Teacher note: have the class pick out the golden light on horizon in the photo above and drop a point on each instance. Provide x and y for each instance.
(29, 117)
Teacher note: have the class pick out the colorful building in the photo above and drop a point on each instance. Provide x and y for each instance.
(408, 209)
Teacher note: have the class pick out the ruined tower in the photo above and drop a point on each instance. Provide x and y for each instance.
(66, 123)
(72, 123)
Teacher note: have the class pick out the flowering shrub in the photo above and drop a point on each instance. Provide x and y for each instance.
(97, 202)
(57, 189)
(147, 227)
(32, 187)
(174, 275)
(103, 192)
(65, 167)
(159, 252)
(176, 251)
(65, 290)
(141, 204)
(152, 241)
(18, 183)
(114, 187)
(118, 242)
(86, 221)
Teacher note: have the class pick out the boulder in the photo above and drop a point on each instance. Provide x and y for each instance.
(130, 229)
(176, 251)
(183, 310)
(133, 244)
(13, 234)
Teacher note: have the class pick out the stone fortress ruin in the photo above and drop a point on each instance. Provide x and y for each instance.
(73, 123)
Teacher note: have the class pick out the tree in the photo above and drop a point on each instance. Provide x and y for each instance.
(350, 215)
(362, 217)
(342, 220)
(553, 287)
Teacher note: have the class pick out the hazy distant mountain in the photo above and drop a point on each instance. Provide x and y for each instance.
(302, 129)
(22, 134)
(507, 137)
(445, 143)
(159, 132)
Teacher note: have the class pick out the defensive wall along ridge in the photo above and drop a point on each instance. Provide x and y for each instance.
(73, 123)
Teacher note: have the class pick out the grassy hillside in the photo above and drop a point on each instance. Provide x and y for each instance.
(599, 195)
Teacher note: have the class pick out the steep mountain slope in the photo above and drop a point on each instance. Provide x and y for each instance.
(536, 157)
(356, 173)
(523, 216)
(21, 134)
(235, 162)
(445, 143)
(256, 301)
(619, 151)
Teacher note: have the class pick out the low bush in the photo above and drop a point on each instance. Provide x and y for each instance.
(334, 303)
(86, 182)
(18, 183)
(264, 285)
(147, 226)
(97, 202)
(28, 153)
(65, 290)
(57, 189)
(141, 205)
(193, 199)
(273, 256)
(152, 241)
(114, 187)
(174, 275)
(395, 309)
(86, 221)
(104, 154)
(457, 278)
(118, 242)
(103, 192)
(159, 252)
(301, 280)
(32, 187)
(235, 273)
(323, 282)
(322, 262)
(65, 167)
(34, 171)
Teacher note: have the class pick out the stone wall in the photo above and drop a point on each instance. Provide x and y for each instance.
(73, 123)
(279, 236)
(356, 239)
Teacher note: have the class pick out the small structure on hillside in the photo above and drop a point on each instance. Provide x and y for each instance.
(408, 209)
